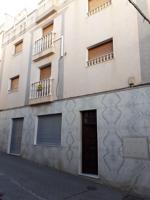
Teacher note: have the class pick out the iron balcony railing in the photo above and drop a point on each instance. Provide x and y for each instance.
(100, 59)
(99, 8)
(44, 43)
(41, 88)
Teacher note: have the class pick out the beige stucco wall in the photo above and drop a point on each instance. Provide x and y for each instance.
(118, 21)
(1, 53)
(52, 59)
(1, 36)
(80, 32)
(15, 65)
(144, 40)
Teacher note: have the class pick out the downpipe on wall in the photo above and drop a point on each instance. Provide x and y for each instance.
(61, 38)
(59, 88)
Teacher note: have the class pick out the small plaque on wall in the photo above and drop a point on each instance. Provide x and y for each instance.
(136, 147)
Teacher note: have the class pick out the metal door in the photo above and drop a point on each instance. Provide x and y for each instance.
(16, 136)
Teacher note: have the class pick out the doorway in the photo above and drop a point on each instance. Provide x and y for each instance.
(16, 136)
(89, 143)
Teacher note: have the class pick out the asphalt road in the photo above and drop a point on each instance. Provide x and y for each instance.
(24, 180)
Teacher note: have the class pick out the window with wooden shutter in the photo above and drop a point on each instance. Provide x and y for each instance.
(14, 83)
(47, 29)
(18, 47)
(97, 5)
(45, 72)
(100, 53)
(93, 4)
(100, 50)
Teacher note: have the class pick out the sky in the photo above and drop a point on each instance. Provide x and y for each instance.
(12, 7)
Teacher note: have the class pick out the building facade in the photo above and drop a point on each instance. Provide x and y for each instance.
(74, 90)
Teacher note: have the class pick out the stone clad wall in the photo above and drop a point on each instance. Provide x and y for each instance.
(123, 120)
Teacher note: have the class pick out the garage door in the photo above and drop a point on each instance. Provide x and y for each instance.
(16, 137)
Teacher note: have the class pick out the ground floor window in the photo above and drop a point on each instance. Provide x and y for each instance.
(49, 129)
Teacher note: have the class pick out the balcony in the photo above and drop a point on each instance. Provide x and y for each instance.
(44, 47)
(41, 91)
(45, 9)
(100, 59)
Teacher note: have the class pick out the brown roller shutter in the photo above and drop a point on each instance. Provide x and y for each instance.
(47, 29)
(93, 4)
(100, 50)
(18, 47)
(14, 83)
(45, 73)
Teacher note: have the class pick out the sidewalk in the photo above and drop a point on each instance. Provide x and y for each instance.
(23, 180)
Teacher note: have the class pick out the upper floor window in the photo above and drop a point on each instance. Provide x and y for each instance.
(18, 47)
(100, 53)
(97, 5)
(47, 29)
(14, 83)
(45, 72)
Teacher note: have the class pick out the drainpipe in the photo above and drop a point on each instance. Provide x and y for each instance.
(61, 38)
(3, 48)
(27, 92)
(59, 85)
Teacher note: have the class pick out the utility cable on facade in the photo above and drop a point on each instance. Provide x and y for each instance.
(140, 11)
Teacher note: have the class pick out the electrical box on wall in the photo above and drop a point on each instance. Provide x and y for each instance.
(131, 81)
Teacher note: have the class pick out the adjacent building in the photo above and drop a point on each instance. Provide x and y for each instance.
(74, 89)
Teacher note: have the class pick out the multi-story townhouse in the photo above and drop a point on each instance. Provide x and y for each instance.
(71, 93)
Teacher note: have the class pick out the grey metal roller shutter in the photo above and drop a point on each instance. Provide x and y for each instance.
(49, 129)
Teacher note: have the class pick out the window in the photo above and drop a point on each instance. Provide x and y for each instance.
(100, 50)
(100, 53)
(18, 47)
(14, 83)
(97, 5)
(49, 129)
(47, 29)
(45, 72)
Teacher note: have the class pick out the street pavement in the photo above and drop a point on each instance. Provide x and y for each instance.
(24, 180)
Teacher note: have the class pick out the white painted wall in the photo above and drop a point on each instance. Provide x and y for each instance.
(53, 59)
(118, 21)
(1, 36)
(15, 65)
(1, 54)
(144, 40)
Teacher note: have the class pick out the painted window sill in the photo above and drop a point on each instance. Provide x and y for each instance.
(48, 145)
